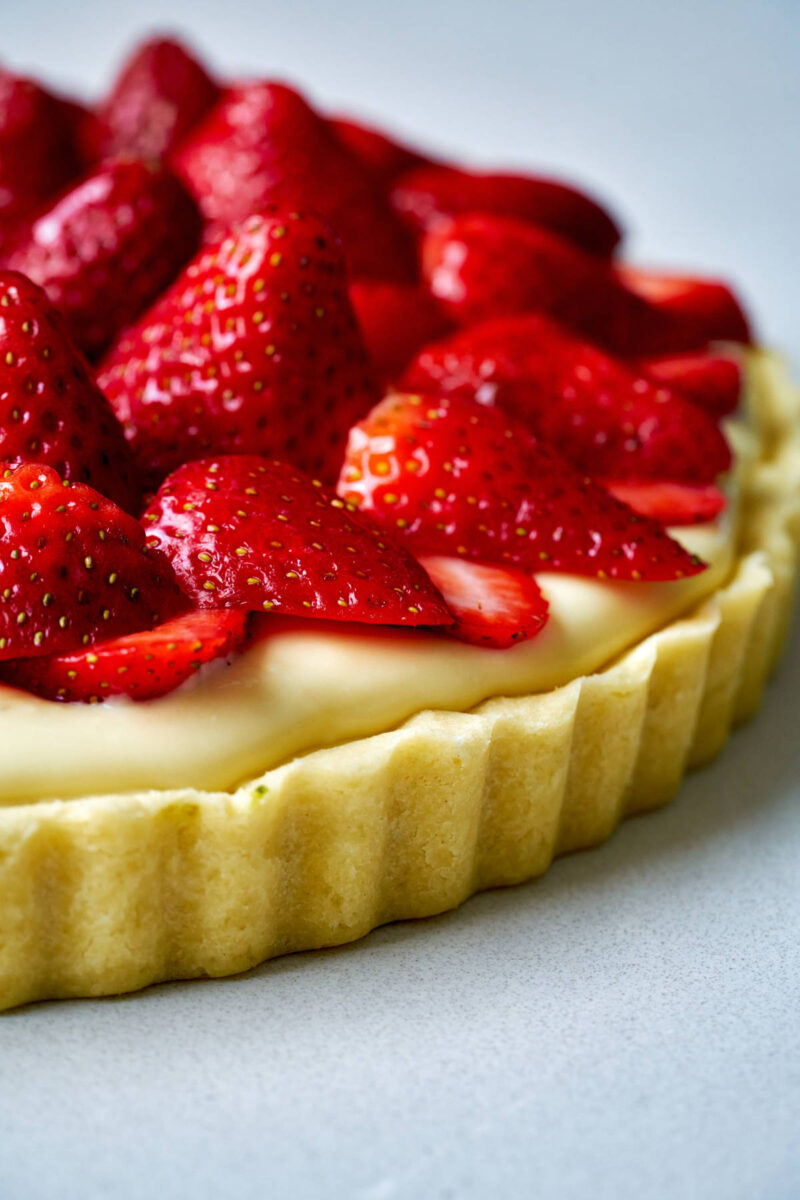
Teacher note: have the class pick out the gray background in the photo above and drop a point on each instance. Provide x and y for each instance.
(628, 1026)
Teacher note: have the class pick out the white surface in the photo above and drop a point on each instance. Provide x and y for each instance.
(628, 1026)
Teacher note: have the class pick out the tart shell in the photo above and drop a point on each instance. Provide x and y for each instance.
(110, 893)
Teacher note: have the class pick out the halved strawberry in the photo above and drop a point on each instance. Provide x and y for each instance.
(159, 94)
(604, 416)
(481, 266)
(711, 381)
(670, 503)
(493, 606)
(396, 319)
(708, 309)
(141, 666)
(74, 568)
(51, 410)
(245, 532)
(382, 155)
(37, 148)
(264, 145)
(451, 476)
(426, 195)
(254, 349)
(108, 246)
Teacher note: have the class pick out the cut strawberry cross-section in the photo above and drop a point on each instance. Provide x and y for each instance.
(51, 410)
(493, 606)
(141, 666)
(605, 417)
(255, 534)
(454, 477)
(254, 349)
(73, 567)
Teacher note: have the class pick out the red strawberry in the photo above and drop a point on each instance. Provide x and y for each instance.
(140, 665)
(670, 503)
(255, 348)
(481, 266)
(492, 605)
(601, 414)
(250, 533)
(711, 381)
(51, 410)
(108, 246)
(160, 93)
(708, 309)
(382, 155)
(37, 151)
(264, 145)
(426, 195)
(74, 568)
(396, 319)
(454, 477)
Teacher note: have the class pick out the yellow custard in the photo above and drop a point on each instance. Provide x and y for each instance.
(308, 685)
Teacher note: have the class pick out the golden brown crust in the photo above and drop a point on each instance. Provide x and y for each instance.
(108, 894)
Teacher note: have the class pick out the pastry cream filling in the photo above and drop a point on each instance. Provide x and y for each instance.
(309, 684)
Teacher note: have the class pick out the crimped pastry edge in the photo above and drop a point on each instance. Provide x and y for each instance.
(108, 894)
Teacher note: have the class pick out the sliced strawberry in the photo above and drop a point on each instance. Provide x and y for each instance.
(707, 308)
(382, 155)
(396, 319)
(108, 246)
(480, 266)
(670, 503)
(141, 666)
(37, 148)
(74, 568)
(606, 418)
(263, 145)
(711, 381)
(160, 93)
(493, 606)
(255, 348)
(426, 195)
(246, 532)
(454, 477)
(51, 410)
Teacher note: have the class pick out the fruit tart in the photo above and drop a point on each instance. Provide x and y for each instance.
(372, 530)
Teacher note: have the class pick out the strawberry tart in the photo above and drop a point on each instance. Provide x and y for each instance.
(371, 530)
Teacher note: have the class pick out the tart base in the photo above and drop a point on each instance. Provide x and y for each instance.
(108, 894)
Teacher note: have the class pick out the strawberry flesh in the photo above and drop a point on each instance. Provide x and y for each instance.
(707, 309)
(74, 568)
(396, 319)
(425, 196)
(262, 146)
(493, 606)
(160, 93)
(670, 503)
(108, 246)
(600, 413)
(51, 410)
(246, 532)
(451, 476)
(711, 381)
(141, 666)
(255, 349)
(383, 156)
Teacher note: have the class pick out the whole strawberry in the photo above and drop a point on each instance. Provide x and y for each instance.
(74, 568)
(37, 150)
(51, 409)
(264, 145)
(480, 266)
(397, 320)
(607, 418)
(426, 196)
(254, 349)
(453, 477)
(141, 666)
(245, 532)
(160, 93)
(108, 246)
